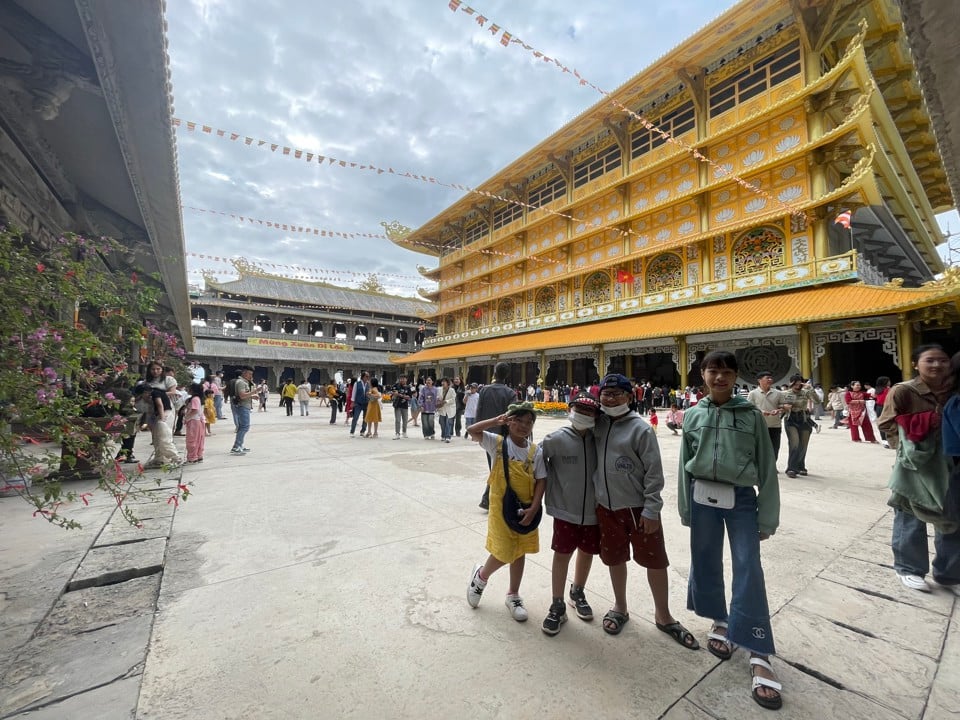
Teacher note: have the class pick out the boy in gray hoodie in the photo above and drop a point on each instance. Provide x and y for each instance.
(628, 482)
(571, 458)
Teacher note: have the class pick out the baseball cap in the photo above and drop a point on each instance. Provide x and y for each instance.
(617, 381)
(585, 399)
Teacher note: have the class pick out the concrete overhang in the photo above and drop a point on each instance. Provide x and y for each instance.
(931, 28)
(86, 143)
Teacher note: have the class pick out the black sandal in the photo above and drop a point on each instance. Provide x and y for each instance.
(679, 633)
(617, 620)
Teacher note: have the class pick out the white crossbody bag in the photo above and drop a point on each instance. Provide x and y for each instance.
(714, 494)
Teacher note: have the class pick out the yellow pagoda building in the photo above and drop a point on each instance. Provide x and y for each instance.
(611, 248)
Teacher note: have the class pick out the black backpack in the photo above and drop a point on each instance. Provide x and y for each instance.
(232, 390)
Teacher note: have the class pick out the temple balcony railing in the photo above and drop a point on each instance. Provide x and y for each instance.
(813, 272)
(215, 330)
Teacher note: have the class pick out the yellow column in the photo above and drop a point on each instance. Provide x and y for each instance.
(821, 240)
(601, 361)
(542, 362)
(628, 366)
(905, 341)
(806, 356)
(682, 359)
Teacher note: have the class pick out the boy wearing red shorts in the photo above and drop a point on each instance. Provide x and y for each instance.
(571, 459)
(628, 482)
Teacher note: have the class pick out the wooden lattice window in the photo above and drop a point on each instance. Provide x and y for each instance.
(596, 288)
(758, 249)
(546, 301)
(664, 272)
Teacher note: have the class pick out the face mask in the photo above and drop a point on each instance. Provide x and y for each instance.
(580, 421)
(616, 410)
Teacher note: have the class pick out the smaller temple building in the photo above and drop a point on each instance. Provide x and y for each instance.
(287, 328)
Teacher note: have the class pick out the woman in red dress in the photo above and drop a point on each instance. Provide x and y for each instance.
(856, 401)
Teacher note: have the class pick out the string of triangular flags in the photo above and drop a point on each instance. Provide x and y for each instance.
(289, 227)
(232, 274)
(507, 39)
(301, 268)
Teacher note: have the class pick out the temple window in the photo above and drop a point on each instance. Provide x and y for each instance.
(290, 326)
(758, 249)
(506, 215)
(546, 301)
(476, 232)
(340, 331)
(505, 311)
(664, 272)
(401, 337)
(449, 325)
(596, 288)
(262, 323)
(597, 164)
(677, 122)
(315, 328)
(755, 78)
(383, 335)
(546, 193)
(360, 333)
(233, 320)
(475, 318)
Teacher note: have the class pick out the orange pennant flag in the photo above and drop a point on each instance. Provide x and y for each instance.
(191, 126)
(481, 20)
(454, 4)
(494, 28)
(176, 122)
(505, 39)
(221, 133)
(207, 129)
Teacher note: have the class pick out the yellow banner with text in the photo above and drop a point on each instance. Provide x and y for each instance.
(304, 344)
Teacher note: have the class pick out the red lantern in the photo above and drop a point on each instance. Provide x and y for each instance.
(624, 276)
(477, 313)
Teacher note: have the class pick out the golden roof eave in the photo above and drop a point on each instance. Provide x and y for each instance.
(831, 302)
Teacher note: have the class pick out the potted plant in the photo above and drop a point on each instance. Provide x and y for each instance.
(72, 333)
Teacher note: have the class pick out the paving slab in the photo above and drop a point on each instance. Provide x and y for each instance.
(882, 581)
(115, 563)
(118, 530)
(115, 701)
(915, 629)
(56, 666)
(945, 694)
(880, 670)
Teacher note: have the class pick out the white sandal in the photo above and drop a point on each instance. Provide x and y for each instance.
(717, 637)
(774, 703)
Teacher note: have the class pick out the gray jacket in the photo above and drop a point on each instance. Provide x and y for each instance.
(629, 468)
(571, 461)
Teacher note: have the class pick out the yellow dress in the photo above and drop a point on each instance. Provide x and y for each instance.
(502, 542)
(209, 411)
(373, 407)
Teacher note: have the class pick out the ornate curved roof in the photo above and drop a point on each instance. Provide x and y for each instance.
(232, 350)
(264, 286)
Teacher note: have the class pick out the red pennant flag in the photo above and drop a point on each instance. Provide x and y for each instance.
(505, 39)
(221, 133)
(234, 136)
(845, 218)
(454, 4)
(191, 126)
(481, 20)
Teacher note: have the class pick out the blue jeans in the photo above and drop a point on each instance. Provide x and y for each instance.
(911, 553)
(218, 406)
(798, 437)
(357, 410)
(446, 427)
(426, 424)
(749, 617)
(241, 414)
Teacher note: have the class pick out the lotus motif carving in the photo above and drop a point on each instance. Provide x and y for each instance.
(724, 215)
(787, 123)
(789, 142)
(722, 170)
(685, 228)
(790, 193)
(663, 235)
(661, 195)
(641, 204)
(755, 205)
(684, 186)
(754, 157)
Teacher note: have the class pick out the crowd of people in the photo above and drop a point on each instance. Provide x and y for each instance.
(600, 478)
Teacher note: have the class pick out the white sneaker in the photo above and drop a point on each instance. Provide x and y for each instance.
(475, 588)
(914, 582)
(514, 604)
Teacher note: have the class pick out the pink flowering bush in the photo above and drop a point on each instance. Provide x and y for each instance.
(73, 331)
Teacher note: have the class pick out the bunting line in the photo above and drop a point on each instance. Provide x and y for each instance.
(301, 268)
(289, 227)
(507, 39)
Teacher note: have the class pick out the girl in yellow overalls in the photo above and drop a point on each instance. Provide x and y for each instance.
(528, 475)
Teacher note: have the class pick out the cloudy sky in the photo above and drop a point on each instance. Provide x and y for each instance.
(405, 84)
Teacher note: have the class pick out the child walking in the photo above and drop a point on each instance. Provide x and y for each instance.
(528, 480)
(570, 455)
(725, 452)
(209, 411)
(194, 420)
